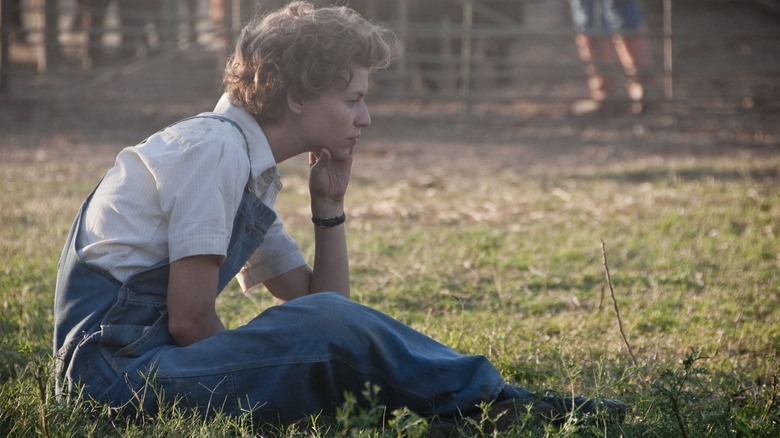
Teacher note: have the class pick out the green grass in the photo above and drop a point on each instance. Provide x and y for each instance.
(508, 266)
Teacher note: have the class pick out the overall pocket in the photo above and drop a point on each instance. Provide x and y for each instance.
(136, 324)
(87, 372)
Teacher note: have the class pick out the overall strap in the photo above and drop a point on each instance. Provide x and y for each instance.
(222, 118)
(217, 117)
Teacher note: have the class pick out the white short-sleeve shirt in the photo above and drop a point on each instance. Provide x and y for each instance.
(176, 194)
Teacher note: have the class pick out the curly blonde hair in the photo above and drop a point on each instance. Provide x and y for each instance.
(303, 50)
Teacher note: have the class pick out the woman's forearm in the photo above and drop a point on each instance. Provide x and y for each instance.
(331, 262)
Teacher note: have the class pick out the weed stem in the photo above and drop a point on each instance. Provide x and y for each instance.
(614, 302)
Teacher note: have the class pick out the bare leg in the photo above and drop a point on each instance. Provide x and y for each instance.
(596, 55)
(636, 59)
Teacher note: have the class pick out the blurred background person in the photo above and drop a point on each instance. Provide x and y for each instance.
(609, 32)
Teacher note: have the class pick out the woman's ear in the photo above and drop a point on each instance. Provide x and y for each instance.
(294, 102)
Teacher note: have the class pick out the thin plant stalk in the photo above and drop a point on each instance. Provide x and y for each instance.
(615, 304)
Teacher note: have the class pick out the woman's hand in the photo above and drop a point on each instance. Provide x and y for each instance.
(328, 181)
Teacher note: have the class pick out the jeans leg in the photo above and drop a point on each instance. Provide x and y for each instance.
(299, 358)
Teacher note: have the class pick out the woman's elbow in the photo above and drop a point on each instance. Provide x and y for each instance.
(181, 332)
(187, 331)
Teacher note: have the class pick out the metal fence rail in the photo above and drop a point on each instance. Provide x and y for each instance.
(454, 50)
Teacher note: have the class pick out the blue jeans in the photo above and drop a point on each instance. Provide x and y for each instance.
(299, 358)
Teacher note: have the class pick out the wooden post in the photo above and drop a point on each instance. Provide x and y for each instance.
(668, 71)
(50, 55)
(235, 26)
(403, 36)
(171, 24)
(465, 54)
(5, 45)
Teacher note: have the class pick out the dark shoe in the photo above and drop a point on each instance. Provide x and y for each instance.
(504, 415)
(501, 416)
(600, 410)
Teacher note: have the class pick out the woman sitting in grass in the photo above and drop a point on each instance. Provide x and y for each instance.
(182, 213)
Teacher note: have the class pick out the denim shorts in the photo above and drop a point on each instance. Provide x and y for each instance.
(606, 16)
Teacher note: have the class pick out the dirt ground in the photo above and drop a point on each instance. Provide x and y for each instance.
(88, 113)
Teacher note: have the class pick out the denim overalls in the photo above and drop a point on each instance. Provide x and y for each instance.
(112, 344)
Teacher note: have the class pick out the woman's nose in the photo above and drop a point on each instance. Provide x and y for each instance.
(363, 118)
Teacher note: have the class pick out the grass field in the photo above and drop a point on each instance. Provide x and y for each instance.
(510, 266)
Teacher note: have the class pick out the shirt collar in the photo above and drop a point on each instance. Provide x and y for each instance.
(263, 170)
